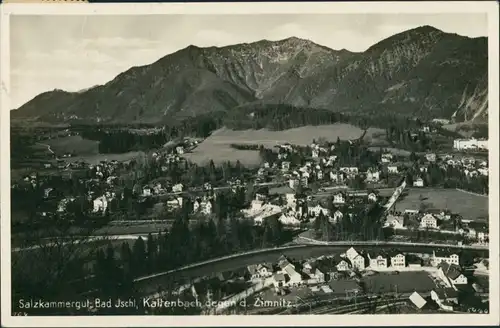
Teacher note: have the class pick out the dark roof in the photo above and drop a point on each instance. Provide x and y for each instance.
(279, 277)
(376, 254)
(446, 293)
(394, 252)
(444, 253)
(268, 266)
(252, 268)
(479, 226)
(451, 271)
(340, 259)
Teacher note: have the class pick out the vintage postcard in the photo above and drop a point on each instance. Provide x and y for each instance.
(249, 164)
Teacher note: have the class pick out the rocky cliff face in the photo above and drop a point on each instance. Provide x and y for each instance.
(422, 72)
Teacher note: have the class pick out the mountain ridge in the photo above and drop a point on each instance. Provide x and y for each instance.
(421, 72)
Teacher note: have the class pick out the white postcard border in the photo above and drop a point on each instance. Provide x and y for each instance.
(490, 8)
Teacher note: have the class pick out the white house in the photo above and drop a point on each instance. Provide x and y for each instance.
(319, 175)
(177, 203)
(317, 275)
(339, 198)
(358, 262)
(179, 150)
(431, 157)
(100, 204)
(356, 259)
(428, 221)
(451, 275)
(316, 210)
(483, 171)
(290, 199)
(419, 182)
(280, 280)
(439, 256)
(446, 298)
(392, 169)
(147, 191)
(288, 219)
(372, 197)
(337, 216)
(285, 166)
(466, 144)
(386, 157)
(372, 175)
(265, 270)
(293, 183)
(206, 207)
(378, 261)
(398, 260)
(343, 265)
(295, 277)
(177, 187)
(337, 177)
(395, 221)
(349, 169)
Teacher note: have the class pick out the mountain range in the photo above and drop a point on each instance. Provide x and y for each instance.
(422, 72)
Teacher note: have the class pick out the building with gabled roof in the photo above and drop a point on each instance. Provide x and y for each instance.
(451, 274)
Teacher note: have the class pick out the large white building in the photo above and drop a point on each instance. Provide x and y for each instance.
(464, 144)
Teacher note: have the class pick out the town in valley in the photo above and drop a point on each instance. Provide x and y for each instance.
(202, 192)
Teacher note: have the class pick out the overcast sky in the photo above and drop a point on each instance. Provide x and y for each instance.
(77, 52)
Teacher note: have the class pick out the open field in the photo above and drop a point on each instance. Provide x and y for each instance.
(74, 144)
(470, 206)
(218, 146)
(403, 282)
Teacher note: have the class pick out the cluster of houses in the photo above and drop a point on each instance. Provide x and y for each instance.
(470, 144)
(439, 220)
(292, 209)
(286, 273)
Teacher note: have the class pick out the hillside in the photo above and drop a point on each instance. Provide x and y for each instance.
(422, 72)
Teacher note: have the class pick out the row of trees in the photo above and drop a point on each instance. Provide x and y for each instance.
(449, 177)
(364, 223)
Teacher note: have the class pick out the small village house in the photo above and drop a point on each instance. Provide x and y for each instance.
(372, 197)
(429, 221)
(443, 256)
(339, 198)
(378, 260)
(446, 298)
(398, 259)
(337, 216)
(395, 221)
(386, 157)
(343, 265)
(372, 175)
(357, 260)
(392, 169)
(177, 188)
(316, 210)
(285, 166)
(419, 182)
(337, 177)
(451, 275)
(431, 157)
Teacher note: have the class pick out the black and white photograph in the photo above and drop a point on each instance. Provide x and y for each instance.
(210, 161)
